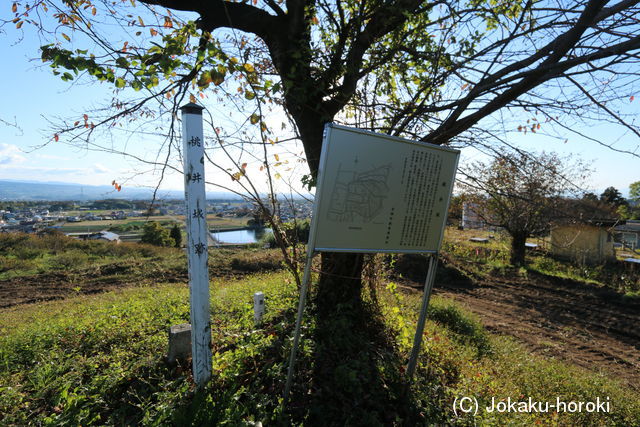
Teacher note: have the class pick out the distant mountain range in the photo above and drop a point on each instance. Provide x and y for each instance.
(33, 190)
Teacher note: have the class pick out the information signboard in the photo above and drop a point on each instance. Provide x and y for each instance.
(378, 193)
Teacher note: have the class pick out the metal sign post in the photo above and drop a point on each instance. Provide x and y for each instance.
(304, 286)
(417, 340)
(296, 335)
(197, 237)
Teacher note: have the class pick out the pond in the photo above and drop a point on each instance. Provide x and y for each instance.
(239, 237)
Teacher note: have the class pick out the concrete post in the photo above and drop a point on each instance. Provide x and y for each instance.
(258, 307)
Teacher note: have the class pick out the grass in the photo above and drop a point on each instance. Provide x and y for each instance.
(135, 224)
(98, 360)
(492, 259)
(460, 359)
(223, 223)
(29, 255)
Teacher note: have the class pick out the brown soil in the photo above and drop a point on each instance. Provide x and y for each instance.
(62, 284)
(589, 326)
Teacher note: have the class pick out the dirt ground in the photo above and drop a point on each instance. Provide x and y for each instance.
(589, 326)
(580, 323)
(60, 285)
(64, 284)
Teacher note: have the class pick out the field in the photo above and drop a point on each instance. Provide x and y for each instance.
(131, 228)
(53, 267)
(94, 356)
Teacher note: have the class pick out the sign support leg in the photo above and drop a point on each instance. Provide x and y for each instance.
(296, 337)
(417, 340)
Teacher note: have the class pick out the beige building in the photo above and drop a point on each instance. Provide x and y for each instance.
(583, 243)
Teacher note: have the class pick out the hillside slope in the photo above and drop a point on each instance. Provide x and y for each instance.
(98, 360)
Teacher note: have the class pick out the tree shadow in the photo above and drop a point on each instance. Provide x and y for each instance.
(355, 373)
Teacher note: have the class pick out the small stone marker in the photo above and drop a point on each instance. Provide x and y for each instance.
(258, 306)
(479, 240)
(179, 343)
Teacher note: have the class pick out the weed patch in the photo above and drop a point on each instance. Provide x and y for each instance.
(96, 360)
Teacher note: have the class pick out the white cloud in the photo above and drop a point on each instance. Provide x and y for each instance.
(50, 157)
(10, 154)
(36, 170)
(101, 169)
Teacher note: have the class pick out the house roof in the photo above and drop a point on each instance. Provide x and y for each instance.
(629, 226)
(109, 235)
(106, 235)
(601, 223)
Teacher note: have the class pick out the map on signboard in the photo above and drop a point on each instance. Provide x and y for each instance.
(379, 193)
(358, 196)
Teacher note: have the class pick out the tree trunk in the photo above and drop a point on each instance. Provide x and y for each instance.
(518, 249)
(340, 282)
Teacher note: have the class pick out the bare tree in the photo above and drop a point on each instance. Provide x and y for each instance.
(522, 193)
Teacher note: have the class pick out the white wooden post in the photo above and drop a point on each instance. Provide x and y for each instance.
(197, 248)
(258, 307)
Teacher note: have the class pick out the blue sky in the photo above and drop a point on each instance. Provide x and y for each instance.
(32, 95)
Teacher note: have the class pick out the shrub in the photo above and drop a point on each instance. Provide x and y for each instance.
(268, 240)
(176, 235)
(467, 330)
(69, 259)
(14, 264)
(257, 261)
(155, 234)
(295, 232)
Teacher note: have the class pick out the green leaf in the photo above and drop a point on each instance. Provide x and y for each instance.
(120, 83)
(122, 62)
